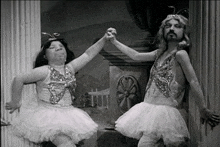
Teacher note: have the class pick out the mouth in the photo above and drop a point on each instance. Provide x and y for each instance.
(171, 35)
(61, 55)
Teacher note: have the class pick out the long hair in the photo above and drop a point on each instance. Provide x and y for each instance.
(41, 60)
(162, 43)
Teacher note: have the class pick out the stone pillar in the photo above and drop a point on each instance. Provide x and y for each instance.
(20, 42)
(204, 19)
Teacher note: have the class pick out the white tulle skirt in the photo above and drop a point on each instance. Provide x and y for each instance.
(45, 121)
(158, 120)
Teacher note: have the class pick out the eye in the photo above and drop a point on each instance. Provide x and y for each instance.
(51, 47)
(178, 26)
(167, 25)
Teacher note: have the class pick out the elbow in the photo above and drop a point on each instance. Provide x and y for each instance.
(193, 82)
(18, 79)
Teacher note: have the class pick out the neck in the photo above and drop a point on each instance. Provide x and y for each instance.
(57, 65)
(172, 45)
(59, 68)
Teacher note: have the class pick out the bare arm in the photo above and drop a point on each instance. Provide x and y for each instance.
(183, 58)
(133, 54)
(88, 55)
(19, 81)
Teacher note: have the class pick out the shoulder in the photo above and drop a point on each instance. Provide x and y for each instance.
(34, 75)
(43, 70)
(182, 57)
(158, 52)
(70, 67)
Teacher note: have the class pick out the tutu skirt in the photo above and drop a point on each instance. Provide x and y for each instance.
(157, 120)
(45, 121)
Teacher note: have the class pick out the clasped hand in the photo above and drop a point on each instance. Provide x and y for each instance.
(110, 34)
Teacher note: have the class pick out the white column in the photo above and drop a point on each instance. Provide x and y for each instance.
(20, 42)
(205, 56)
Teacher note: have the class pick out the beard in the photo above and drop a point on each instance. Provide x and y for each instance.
(171, 37)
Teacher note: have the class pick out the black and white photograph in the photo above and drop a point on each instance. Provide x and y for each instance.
(111, 73)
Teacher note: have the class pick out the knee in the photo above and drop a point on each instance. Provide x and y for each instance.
(150, 144)
(178, 144)
(65, 144)
(150, 141)
(69, 144)
(63, 141)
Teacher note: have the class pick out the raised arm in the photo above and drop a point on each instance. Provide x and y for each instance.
(88, 55)
(19, 81)
(133, 54)
(183, 58)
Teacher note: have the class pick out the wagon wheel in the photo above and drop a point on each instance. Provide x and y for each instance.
(128, 93)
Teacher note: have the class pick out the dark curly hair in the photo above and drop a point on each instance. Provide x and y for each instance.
(41, 60)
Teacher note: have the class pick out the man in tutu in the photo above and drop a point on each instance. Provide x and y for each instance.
(156, 121)
(54, 118)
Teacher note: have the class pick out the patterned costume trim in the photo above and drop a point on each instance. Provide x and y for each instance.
(162, 75)
(60, 83)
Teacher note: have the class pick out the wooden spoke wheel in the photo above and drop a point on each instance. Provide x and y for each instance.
(128, 93)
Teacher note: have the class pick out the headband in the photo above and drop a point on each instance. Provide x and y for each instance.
(51, 36)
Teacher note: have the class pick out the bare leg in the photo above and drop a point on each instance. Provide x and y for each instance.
(63, 141)
(150, 141)
(178, 144)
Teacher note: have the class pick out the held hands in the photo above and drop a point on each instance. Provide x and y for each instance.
(110, 34)
(208, 116)
(12, 106)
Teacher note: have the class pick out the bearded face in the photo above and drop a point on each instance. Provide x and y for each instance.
(173, 30)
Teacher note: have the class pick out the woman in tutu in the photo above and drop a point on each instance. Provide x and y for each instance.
(54, 118)
(156, 121)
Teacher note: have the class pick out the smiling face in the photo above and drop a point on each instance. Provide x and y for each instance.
(173, 30)
(56, 53)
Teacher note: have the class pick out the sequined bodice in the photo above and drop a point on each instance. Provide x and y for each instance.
(162, 87)
(60, 83)
(57, 87)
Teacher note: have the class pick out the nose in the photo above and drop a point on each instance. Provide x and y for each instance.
(172, 27)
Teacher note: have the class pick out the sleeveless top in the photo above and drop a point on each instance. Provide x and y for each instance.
(57, 89)
(162, 88)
